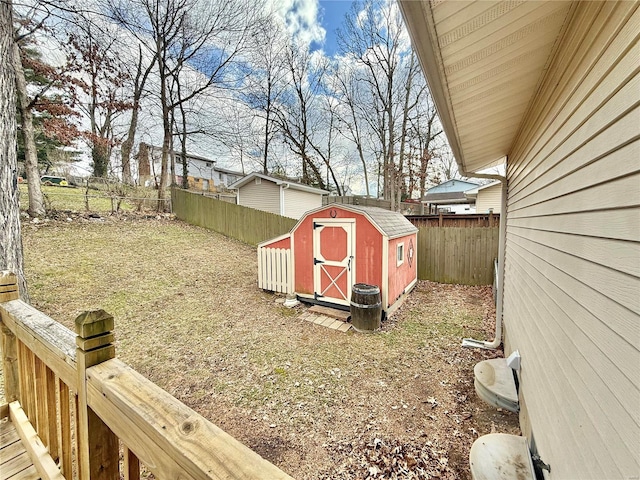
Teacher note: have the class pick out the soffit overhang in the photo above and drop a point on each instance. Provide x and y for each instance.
(484, 61)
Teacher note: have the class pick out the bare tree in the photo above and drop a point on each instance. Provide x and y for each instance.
(137, 86)
(240, 137)
(294, 112)
(347, 89)
(372, 33)
(202, 37)
(413, 96)
(265, 80)
(36, 199)
(306, 116)
(11, 257)
(423, 131)
(324, 145)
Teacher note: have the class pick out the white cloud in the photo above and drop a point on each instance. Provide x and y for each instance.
(300, 18)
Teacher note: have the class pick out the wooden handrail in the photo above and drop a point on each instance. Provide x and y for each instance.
(112, 402)
(166, 435)
(49, 340)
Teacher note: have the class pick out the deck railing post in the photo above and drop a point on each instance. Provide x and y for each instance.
(9, 291)
(97, 445)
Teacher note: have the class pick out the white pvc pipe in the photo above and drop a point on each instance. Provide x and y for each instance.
(495, 343)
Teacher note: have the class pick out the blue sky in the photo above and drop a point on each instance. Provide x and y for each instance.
(331, 14)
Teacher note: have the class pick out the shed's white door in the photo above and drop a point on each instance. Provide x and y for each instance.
(333, 263)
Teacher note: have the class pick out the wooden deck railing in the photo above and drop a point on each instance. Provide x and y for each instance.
(87, 406)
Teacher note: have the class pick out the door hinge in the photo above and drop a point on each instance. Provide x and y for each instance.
(316, 296)
(316, 261)
(317, 225)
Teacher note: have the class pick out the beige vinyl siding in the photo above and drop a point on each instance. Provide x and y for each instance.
(297, 202)
(264, 196)
(489, 197)
(572, 286)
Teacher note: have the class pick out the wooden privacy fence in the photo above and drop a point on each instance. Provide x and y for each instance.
(456, 220)
(85, 404)
(245, 224)
(448, 254)
(457, 254)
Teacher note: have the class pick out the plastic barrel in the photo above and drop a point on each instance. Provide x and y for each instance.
(366, 307)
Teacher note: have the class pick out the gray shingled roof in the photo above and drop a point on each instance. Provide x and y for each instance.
(393, 224)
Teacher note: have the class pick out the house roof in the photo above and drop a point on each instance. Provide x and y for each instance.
(484, 62)
(474, 191)
(391, 224)
(451, 186)
(228, 172)
(449, 192)
(191, 156)
(278, 181)
(446, 198)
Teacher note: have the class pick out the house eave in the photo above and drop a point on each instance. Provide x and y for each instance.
(487, 57)
(295, 186)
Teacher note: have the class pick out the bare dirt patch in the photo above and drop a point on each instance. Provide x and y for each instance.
(316, 402)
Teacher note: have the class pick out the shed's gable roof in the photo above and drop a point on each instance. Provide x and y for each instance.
(390, 224)
(278, 181)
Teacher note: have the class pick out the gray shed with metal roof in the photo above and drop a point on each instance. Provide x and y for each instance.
(333, 247)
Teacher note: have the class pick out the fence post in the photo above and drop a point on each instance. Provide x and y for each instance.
(97, 445)
(9, 291)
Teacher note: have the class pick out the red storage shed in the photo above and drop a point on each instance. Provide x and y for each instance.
(333, 247)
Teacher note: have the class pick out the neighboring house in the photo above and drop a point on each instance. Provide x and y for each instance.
(553, 87)
(202, 172)
(488, 198)
(275, 195)
(449, 197)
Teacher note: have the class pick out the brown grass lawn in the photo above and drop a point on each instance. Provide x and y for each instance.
(317, 403)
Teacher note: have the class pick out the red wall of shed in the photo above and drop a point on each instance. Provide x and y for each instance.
(282, 243)
(401, 276)
(368, 249)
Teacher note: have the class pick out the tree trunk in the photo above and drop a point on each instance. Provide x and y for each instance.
(403, 133)
(167, 132)
(100, 157)
(36, 201)
(10, 234)
(265, 168)
(127, 145)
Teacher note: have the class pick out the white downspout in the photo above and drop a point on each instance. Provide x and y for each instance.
(283, 187)
(470, 342)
